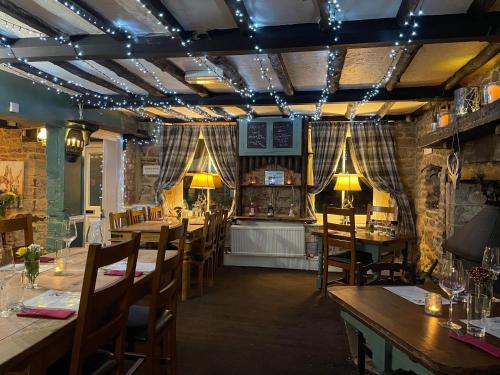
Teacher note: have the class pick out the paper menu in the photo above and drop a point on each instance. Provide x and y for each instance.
(55, 299)
(413, 294)
(122, 266)
(492, 325)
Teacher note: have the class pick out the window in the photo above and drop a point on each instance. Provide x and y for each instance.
(220, 197)
(361, 198)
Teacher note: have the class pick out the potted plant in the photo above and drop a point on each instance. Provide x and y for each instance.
(6, 198)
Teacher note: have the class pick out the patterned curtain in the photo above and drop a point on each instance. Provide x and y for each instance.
(221, 145)
(328, 140)
(373, 154)
(177, 147)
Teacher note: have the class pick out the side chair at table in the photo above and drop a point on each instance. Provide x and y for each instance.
(202, 254)
(136, 216)
(20, 223)
(155, 213)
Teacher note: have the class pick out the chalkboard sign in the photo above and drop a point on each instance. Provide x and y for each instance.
(257, 135)
(283, 134)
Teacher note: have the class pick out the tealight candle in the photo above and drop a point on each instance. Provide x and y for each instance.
(493, 92)
(433, 304)
(60, 267)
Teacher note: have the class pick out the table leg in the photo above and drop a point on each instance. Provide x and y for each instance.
(319, 248)
(186, 272)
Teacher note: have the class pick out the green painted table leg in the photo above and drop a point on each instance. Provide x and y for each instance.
(319, 248)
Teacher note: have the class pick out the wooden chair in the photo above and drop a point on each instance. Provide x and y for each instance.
(370, 210)
(137, 216)
(118, 219)
(155, 213)
(102, 316)
(151, 328)
(202, 254)
(22, 223)
(341, 236)
(221, 241)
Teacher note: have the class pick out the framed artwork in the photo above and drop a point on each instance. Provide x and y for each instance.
(12, 176)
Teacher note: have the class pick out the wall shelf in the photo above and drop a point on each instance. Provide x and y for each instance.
(470, 126)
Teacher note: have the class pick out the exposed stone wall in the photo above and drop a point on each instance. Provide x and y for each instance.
(34, 198)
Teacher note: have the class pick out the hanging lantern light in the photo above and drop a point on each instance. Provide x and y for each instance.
(41, 136)
(75, 143)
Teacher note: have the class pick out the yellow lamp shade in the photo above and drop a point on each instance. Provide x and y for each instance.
(203, 181)
(347, 182)
(217, 181)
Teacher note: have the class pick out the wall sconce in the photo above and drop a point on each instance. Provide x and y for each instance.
(75, 144)
(41, 136)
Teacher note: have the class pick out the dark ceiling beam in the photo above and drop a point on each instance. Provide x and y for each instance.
(324, 15)
(8, 7)
(337, 65)
(272, 39)
(279, 68)
(177, 73)
(124, 73)
(5, 40)
(221, 112)
(426, 93)
(51, 78)
(240, 15)
(475, 63)
(229, 70)
(404, 61)
(382, 112)
(480, 7)
(163, 15)
(73, 69)
(404, 10)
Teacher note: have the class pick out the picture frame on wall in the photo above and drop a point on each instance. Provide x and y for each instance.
(12, 176)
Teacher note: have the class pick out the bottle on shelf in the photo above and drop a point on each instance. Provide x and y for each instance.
(270, 210)
(252, 209)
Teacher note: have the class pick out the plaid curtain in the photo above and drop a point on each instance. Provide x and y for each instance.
(328, 140)
(373, 155)
(177, 147)
(221, 145)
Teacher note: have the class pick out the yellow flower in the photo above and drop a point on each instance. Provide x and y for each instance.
(22, 251)
(11, 194)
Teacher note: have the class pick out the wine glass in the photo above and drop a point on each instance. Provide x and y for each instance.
(491, 261)
(68, 233)
(7, 271)
(452, 282)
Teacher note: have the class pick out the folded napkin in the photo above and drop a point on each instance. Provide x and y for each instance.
(474, 341)
(46, 312)
(121, 273)
(46, 259)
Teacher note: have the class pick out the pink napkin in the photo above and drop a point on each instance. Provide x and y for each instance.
(46, 259)
(121, 273)
(483, 345)
(46, 312)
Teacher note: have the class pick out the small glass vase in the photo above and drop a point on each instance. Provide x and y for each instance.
(479, 297)
(30, 273)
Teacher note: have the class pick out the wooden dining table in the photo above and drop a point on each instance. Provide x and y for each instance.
(31, 344)
(401, 336)
(150, 232)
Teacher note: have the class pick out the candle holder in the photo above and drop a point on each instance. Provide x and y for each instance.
(490, 92)
(433, 304)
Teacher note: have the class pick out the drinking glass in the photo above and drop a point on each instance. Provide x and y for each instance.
(452, 282)
(491, 261)
(68, 233)
(7, 271)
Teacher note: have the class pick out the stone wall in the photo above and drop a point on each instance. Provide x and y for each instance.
(34, 200)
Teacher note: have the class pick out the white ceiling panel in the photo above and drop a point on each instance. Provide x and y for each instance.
(364, 66)
(235, 111)
(445, 7)
(61, 73)
(249, 69)
(405, 107)
(363, 9)
(435, 63)
(282, 12)
(267, 110)
(370, 108)
(307, 70)
(334, 109)
(303, 108)
(12, 28)
(187, 112)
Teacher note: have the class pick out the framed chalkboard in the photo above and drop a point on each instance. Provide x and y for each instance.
(257, 135)
(282, 134)
(270, 136)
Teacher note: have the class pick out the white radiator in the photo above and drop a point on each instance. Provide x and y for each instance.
(277, 241)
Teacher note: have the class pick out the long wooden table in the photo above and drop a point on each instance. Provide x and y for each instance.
(150, 232)
(401, 336)
(32, 344)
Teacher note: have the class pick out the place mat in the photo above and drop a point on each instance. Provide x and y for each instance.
(122, 266)
(46, 259)
(492, 325)
(413, 294)
(478, 343)
(55, 299)
(46, 312)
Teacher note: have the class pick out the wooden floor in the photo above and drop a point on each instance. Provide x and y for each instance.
(262, 321)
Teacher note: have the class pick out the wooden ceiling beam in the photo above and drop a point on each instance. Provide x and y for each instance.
(73, 69)
(336, 65)
(229, 70)
(177, 73)
(406, 7)
(386, 107)
(324, 15)
(165, 17)
(124, 73)
(404, 61)
(350, 112)
(279, 68)
(480, 7)
(490, 51)
(221, 112)
(240, 16)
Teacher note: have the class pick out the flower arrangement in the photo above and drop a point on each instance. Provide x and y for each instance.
(178, 212)
(6, 198)
(480, 275)
(31, 258)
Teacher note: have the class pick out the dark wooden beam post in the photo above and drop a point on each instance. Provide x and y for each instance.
(482, 58)
(350, 112)
(406, 57)
(162, 14)
(240, 16)
(384, 109)
(123, 72)
(279, 67)
(229, 70)
(177, 73)
(221, 112)
(324, 15)
(404, 10)
(73, 69)
(337, 65)
(480, 7)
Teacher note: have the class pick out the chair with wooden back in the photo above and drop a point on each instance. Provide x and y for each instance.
(155, 213)
(221, 242)
(118, 219)
(137, 216)
(370, 210)
(202, 254)
(341, 236)
(102, 316)
(20, 223)
(153, 327)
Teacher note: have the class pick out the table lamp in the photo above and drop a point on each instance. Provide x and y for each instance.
(206, 181)
(347, 182)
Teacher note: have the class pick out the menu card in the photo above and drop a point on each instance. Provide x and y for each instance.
(122, 266)
(55, 299)
(413, 294)
(492, 325)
